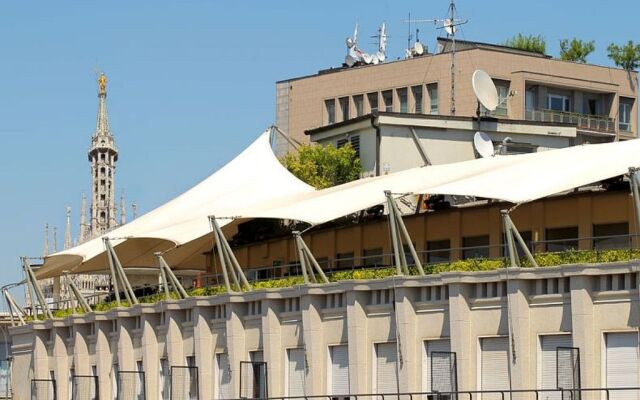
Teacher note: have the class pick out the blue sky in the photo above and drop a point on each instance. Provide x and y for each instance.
(192, 82)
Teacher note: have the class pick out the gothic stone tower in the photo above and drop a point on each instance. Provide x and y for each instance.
(103, 155)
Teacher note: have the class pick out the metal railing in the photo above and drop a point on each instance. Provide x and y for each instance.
(590, 122)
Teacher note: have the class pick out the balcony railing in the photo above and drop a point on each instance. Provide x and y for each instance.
(598, 123)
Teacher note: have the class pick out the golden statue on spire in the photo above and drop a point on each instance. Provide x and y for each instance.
(102, 84)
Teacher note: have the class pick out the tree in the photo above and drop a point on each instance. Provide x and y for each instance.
(627, 56)
(534, 43)
(324, 166)
(576, 50)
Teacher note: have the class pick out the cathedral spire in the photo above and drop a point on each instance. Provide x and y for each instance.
(123, 210)
(45, 251)
(83, 218)
(55, 239)
(67, 230)
(103, 156)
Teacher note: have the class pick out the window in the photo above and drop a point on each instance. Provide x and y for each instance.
(530, 99)
(438, 251)
(165, 379)
(611, 236)
(358, 104)
(344, 107)
(372, 257)
(373, 101)
(387, 100)
(624, 114)
(561, 239)
(432, 89)
(330, 107)
(355, 143)
(416, 91)
(503, 94)
(403, 98)
(558, 102)
(344, 260)
(475, 247)
(338, 384)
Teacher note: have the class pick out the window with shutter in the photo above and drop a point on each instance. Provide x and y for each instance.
(494, 366)
(339, 362)
(386, 368)
(548, 363)
(430, 346)
(622, 364)
(223, 369)
(295, 372)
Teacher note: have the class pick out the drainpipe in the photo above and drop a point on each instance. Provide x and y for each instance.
(376, 125)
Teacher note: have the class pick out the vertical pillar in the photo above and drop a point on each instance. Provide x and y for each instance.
(104, 359)
(174, 344)
(462, 342)
(314, 344)
(359, 349)
(235, 344)
(203, 347)
(61, 365)
(582, 322)
(522, 371)
(272, 347)
(150, 356)
(409, 343)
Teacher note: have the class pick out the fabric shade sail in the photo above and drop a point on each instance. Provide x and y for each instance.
(264, 189)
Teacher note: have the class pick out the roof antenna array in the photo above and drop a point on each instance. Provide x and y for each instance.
(355, 56)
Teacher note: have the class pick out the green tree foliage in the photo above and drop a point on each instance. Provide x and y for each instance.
(534, 43)
(576, 50)
(324, 166)
(627, 56)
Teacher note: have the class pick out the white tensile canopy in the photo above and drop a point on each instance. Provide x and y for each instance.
(255, 185)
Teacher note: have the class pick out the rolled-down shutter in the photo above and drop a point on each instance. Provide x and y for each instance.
(296, 372)
(386, 368)
(430, 346)
(549, 363)
(339, 369)
(622, 364)
(224, 376)
(494, 366)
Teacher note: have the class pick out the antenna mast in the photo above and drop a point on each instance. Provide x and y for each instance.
(450, 26)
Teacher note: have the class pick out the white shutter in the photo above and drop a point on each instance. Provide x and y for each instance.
(386, 364)
(441, 345)
(339, 360)
(622, 364)
(296, 372)
(251, 378)
(224, 376)
(494, 366)
(549, 363)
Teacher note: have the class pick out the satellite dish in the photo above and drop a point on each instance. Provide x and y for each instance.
(381, 56)
(483, 144)
(350, 61)
(418, 48)
(449, 27)
(374, 59)
(367, 58)
(350, 42)
(485, 90)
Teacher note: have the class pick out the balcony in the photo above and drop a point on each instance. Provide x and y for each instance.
(596, 123)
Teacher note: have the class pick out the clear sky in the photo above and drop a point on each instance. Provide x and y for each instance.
(192, 82)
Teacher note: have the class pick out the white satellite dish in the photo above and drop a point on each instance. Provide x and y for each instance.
(449, 27)
(350, 61)
(374, 59)
(350, 42)
(367, 58)
(381, 56)
(485, 90)
(483, 144)
(418, 48)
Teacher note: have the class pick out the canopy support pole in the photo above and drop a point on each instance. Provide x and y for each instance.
(32, 283)
(14, 308)
(513, 238)
(400, 234)
(292, 142)
(168, 277)
(308, 262)
(81, 300)
(635, 192)
(227, 258)
(118, 274)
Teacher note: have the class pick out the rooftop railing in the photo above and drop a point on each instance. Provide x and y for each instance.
(597, 123)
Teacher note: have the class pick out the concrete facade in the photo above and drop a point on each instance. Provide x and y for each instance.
(584, 301)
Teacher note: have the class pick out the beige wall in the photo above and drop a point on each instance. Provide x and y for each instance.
(305, 107)
(581, 305)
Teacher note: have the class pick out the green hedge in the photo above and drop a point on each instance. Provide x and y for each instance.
(472, 265)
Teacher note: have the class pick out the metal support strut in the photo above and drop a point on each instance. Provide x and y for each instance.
(14, 308)
(308, 262)
(119, 278)
(228, 259)
(399, 236)
(513, 238)
(32, 284)
(82, 302)
(169, 278)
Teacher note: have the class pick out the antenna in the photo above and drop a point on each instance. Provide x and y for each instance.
(483, 145)
(450, 26)
(485, 90)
